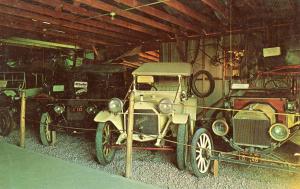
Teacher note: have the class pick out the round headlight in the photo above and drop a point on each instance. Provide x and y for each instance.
(165, 106)
(279, 132)
(91, 109)
(115, 105)
(220, 127)
(59, 109)
(227, 104)
(291, 106)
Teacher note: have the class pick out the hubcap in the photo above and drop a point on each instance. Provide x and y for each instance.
(203, 152)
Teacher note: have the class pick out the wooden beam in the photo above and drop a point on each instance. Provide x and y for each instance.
(92, 14)
(129, 15)
(161, 14)
(151, 58)
(192, 13)
(44, 37)
(152, 53)
(251, 4)
(78, 19)
(24, 9)
(14, 23)
(216, 6)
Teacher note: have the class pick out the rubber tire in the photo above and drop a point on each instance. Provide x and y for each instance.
(6, 123)
(211, 84)
(181, 146)
(43, 126)
(193, 152)
(102, 159)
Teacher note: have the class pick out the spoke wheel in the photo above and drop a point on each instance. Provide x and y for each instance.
(181, 149)
(47, 136)
(5, 123)
(201, 152)
(104, 140)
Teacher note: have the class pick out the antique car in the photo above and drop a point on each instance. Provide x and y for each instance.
(254, 123)
(163, 107)
(73, 97)
(11, 84)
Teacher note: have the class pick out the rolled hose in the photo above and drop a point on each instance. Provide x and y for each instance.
(211, 84)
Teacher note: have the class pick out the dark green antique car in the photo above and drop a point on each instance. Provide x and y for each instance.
(75, 96)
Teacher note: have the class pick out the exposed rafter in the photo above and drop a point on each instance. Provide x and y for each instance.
(16, 24)
(35, 12)
(161, 14)
(82, 12)
(91, 14)
(216, 6)
(192, 13)
(129, 15)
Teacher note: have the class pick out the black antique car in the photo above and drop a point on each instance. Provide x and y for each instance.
(11, 84)
(73, 98)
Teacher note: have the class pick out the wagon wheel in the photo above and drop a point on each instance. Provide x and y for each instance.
(181, 149)
(104, 140)
(201, 152)
(47, 136)
(5, 123)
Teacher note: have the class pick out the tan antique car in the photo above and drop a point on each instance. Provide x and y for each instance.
(163, 106)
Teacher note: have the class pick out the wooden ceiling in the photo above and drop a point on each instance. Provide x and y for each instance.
(111, 23)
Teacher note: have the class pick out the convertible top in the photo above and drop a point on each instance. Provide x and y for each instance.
(164, 69)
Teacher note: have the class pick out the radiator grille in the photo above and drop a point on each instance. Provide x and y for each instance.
(251, 132)
(146, 123)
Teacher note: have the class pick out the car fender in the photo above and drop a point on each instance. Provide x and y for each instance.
(180, 118)
(116, 119)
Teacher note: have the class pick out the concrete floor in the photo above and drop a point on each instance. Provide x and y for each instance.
(21, 169)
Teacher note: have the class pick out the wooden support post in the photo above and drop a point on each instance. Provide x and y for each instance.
(216, 167)
(129, 131)
(22, 119)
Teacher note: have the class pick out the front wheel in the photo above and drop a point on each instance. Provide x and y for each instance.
(6, 122)
(47, 136)
(104, 140)
(181, 149)
(201, 152)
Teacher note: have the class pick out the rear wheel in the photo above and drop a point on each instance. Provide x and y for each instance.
(201, 152)
(104, 140)
(6, 123)
(47, 136)
(181, 149)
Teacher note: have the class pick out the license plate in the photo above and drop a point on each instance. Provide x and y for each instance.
(77, 109)
(250, 157)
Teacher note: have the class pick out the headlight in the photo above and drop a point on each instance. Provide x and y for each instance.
(279, 132)
(291, 106)
(91, 109)
(165, 106)
(115, 105)
(220, 127)
(227, 104)
(59, 109)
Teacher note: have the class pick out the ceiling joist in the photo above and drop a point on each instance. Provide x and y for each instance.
(161, 14)
(126, 14)
(192, 13)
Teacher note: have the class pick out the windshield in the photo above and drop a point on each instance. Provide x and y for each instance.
(158, 83)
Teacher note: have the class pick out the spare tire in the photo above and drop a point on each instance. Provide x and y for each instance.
(210, 80)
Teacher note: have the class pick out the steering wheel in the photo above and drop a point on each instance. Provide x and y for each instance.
(147, 87)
